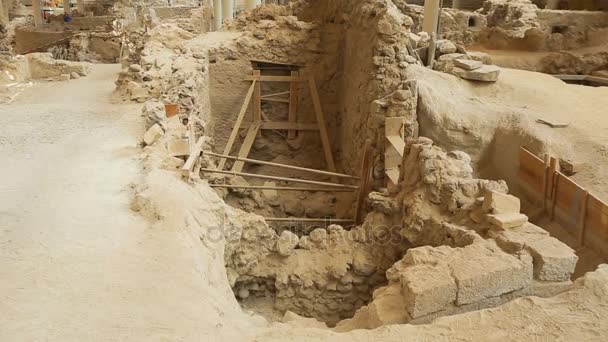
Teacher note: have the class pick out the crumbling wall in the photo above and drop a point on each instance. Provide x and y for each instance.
(477, 250)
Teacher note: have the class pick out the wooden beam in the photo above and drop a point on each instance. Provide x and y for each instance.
(280, 188)
(237, 124)
(364, 175)
(275, 94)
(246, 147)
(582, 218)
(293, 105)
(275, 78)
(277, 125)
(194, 155)
(283, 166)
(271, 99)
(329, 159)
(284, 179)
(257, 101)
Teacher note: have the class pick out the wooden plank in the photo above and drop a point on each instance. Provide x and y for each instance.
(365, 175)
(284, 179)
(394, 126)
(393, 175)
(597, 217)
(271, 99)
(277, 125)
(531, 170)
(568, 196)
(246, 146)
(275, 78)
(582, 218)
(397, 143)
(283, 166)
(191, 135)
(278, 63)
(194, 155)
(293, 105)
(237, 124)
(431, 54)
(275, 94)
(279, 188)
(257, 101)
(329, 159)
(555, 182)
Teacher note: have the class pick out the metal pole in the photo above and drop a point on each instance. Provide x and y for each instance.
(290, 167)
(285, 179)
(282, 188)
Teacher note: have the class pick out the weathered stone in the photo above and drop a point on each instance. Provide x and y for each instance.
(74, 75)
(178, 147)
(271, 196)
(387, 307)
(508, 220)
(498, 203)
(64, 77)
(364, 263)
(427, 289)
(468, 64)
(487, 73)
(445, 46)
(414, 39)
(483, 273)
(153, 134)
(286, 243)
(135, 68)
(553, 260)
(480, 56)
(318, 235)
(450, 57)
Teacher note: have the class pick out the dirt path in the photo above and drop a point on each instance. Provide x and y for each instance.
(75, 263)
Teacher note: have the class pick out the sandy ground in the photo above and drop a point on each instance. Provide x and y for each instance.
(75, 263)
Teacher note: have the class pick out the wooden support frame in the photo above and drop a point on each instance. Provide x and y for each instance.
(293, 105)
(329, 159)
(247, 144)
(237, 124)
(257, 99)
(292, 126)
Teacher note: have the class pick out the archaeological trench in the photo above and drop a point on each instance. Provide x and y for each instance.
(374, 168)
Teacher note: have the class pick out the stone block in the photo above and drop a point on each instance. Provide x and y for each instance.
(286, 243)
(508, 220)
(482, 273)
(553, 260)
(487, 73)
(499, 203)
(480, 56)
(427, 289)
(271, 196)
(153, 134)
(445, 46)
(178, 147)
(468, 64)
(514, 240)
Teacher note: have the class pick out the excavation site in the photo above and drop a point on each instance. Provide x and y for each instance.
(249, 170)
